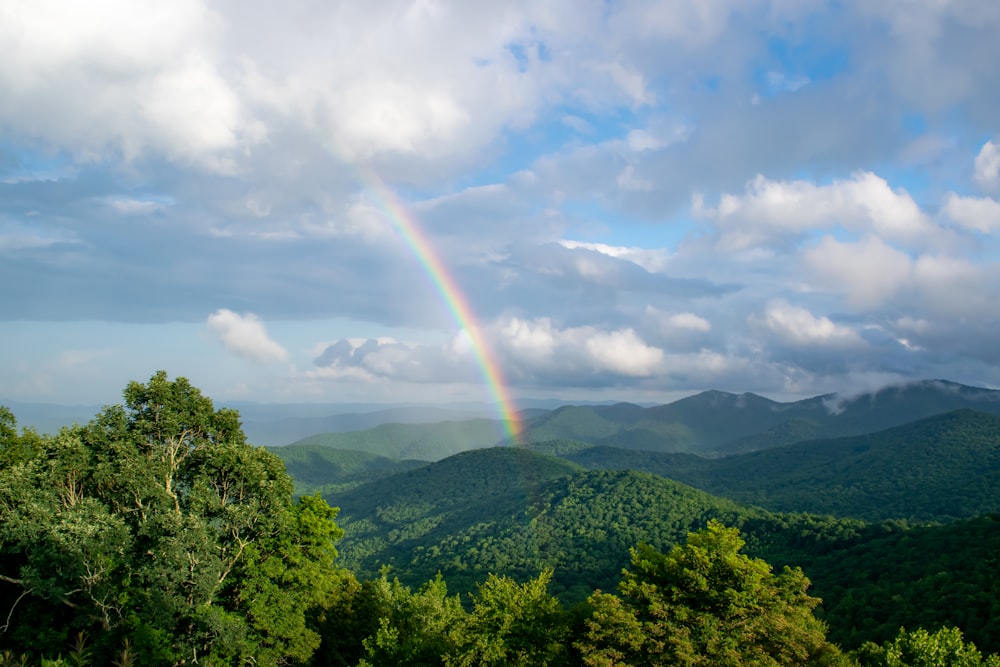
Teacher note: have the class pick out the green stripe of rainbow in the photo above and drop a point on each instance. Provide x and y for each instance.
(453, 298)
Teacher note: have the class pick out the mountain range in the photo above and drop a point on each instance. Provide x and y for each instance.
(710, 424)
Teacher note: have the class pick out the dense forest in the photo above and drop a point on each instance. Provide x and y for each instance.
(155, 534)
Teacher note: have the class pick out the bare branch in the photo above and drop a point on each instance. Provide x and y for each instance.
(27, 591)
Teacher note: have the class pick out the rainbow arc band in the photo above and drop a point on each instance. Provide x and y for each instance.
(453, 298)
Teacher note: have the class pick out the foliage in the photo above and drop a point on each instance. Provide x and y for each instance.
(408, 628)
(15, 447)
(157, 522)
(920, 648)
(929, 576)
(512, 624)
(705, 603)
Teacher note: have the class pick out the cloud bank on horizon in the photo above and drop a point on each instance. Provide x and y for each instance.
(637, 198)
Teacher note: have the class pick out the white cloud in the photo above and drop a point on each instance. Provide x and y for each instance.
(630, 81)
(981, 214)
(798, 326)
(673, 322)
(245, 336)
(987, 167)
(533, 342)
(541, 349)
(623, 352)
(117, 76)
(130, 206)
(774, 209)
(867, 272)
(653, 260)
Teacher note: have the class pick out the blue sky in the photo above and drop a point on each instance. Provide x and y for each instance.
(639, 199)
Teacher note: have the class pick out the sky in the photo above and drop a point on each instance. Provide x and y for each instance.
(402, 200)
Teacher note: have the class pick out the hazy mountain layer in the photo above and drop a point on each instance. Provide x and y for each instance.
(712, 423)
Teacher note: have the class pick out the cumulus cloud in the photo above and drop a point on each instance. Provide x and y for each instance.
(987, 167)
(139, 75)
(652, 259)
(774, 209)
(622, 352)
(867, 272)
(377, 359)
(679, 321)
(534, 351)
(981, 214)
(245, 336)
(540, 349)
(798, 326)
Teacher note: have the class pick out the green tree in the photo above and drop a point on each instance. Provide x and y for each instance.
(406, 627)
(159, 523)
(513, 624)
(920, 648)
(705, 603)
(15, 447)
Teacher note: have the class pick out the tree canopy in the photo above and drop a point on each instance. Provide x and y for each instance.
(158, 522)
(705, 603)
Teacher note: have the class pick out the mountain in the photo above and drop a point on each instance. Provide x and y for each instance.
(579, 509)
(716, 423)
(285, 430)
(427, 442)
(515, 511)
(939, 468)
(316, 468)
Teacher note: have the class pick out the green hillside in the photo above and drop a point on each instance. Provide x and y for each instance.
(517, 512)
(425, 442)
(514, 511)
(329, 470)
(940, 468)
(460, 480)
(928, 576)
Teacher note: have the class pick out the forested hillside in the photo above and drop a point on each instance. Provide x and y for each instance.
(940, 468)
(317, 468)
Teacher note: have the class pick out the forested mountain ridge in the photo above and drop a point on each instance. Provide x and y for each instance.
(582, 524)
(712, 423)
(512, 510)
(317, 468)
(716, 423)
(939, 468)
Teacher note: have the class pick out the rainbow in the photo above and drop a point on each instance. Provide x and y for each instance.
(453, 298)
